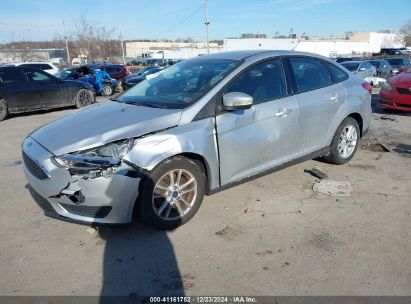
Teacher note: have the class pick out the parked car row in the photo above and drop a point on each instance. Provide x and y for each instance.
(384, 68)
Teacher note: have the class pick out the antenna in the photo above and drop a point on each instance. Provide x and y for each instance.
(206, 25)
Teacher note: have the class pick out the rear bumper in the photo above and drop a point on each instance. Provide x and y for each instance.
(107, 199)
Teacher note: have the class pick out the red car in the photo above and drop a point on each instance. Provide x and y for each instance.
(395, 94)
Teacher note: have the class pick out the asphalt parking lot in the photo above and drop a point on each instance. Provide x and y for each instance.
(271, 236)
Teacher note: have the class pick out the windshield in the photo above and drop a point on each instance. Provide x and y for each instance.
(63, 74)
(180, 85)
(351, 66)
(396, 61)
(375, 63)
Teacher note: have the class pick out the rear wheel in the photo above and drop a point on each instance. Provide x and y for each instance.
(3, 109)
(172, 193)
(84, 98)
(345, 142)
(107, 90)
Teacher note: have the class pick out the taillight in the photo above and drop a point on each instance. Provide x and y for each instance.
(367, 87)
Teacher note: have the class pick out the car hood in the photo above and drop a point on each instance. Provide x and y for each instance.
(102, 123)
(401, 80)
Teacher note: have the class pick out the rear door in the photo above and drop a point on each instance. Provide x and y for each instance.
(17, 91)
(53, 93)
(254, 140)
(319, 98)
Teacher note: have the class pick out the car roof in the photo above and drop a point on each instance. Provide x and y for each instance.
(33, 62)
(241, 55)
(351, 62)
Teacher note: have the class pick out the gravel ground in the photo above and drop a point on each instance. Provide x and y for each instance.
(271, 236)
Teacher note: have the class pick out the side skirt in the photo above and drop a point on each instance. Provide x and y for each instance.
(312, 155)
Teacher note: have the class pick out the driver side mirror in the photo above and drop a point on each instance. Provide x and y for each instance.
(237, 101)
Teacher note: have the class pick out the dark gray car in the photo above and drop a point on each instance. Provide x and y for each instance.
(383, 67)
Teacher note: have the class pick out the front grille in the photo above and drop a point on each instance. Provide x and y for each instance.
(87, 211)
(404, 91)
(403, 105)
(33, 168)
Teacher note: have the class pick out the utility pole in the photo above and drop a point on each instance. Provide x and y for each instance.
(67, 50)
(206, 25)
(122, 48)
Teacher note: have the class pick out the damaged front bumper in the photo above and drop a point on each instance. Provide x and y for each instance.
(106, 198)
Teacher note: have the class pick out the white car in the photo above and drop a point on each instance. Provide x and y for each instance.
(48, 67)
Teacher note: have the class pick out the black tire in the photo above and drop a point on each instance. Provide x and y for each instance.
(335, 156)
(107, 90)
(149, 206)
(84, 98)
(3, 109)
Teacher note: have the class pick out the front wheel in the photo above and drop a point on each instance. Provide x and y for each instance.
(345, 142)
(84, 98)
(172, 193)
(107, 90)
(3, 109)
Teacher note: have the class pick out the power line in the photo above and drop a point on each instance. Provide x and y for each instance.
(179, 23)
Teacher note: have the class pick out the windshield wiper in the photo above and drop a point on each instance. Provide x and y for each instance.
(143, 104)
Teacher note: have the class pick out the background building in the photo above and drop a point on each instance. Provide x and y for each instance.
(359, 43)
(182, 49)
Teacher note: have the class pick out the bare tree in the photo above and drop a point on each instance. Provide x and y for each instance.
(406, 28)
(95, 40)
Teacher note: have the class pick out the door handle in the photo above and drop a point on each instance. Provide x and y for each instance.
(335, 98)
(283, 112)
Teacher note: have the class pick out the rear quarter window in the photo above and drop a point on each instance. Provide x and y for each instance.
(336, 74)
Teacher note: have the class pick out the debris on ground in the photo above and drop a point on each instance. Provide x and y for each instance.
(91, 230)
(223, 231)
(333, 188)
(385, 147)
(388, 118)
(316, 173)
(247, 210)
(13, 164)
(374, 145)
(403, 149)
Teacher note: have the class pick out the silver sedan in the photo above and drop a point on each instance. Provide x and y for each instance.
(196, 128)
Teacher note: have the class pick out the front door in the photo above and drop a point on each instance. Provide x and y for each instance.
(254, 140)
(53, 93)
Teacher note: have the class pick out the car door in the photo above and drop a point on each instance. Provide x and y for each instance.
(253, 140)
(319, 100)
(17, 91)
(53, 92)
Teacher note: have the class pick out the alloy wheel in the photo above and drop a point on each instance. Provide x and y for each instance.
(174, 194)
(84, 98)
(347, 141)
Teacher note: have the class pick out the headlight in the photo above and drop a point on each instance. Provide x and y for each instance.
(95, 159)
(386, 86)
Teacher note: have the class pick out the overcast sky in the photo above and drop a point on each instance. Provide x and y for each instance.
(43, 19)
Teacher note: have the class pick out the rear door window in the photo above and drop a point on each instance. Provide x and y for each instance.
(309, 73)
(12, 77)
